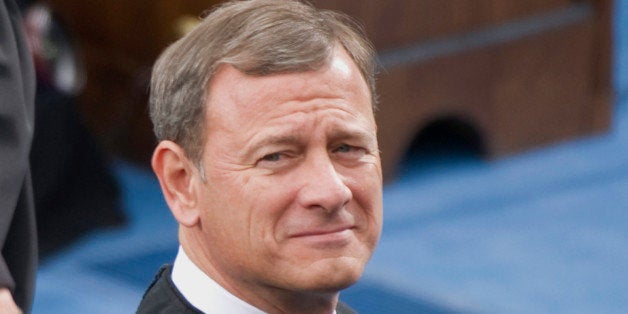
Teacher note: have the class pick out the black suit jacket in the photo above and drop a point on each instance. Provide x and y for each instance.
(163, 297)
(17, 219)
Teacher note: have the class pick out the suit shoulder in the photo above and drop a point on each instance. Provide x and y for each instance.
(162, 296)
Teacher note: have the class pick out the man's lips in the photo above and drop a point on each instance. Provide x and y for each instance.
(322, 231)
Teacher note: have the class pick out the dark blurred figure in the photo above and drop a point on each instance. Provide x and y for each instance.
(75, 191)
(18, 262)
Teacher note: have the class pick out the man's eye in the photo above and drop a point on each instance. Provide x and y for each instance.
(349, 152)
(344, 148)
(272, 157)
(276, 161)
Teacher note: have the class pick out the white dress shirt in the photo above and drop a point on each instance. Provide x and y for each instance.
(203, 292)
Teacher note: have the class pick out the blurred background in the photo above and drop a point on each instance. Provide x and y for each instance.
(504, 138)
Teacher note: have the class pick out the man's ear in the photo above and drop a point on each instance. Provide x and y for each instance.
(177, 177)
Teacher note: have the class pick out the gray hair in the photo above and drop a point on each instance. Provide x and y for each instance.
(257, 37)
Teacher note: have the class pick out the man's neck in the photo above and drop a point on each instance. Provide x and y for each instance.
(304, 303)
(266, 298)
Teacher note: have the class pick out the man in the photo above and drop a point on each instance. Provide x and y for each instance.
(268, 160)
(18, 235)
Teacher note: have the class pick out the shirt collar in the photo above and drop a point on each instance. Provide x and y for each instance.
(203, 292)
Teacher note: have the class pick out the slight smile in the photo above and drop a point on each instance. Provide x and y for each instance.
(336, 237)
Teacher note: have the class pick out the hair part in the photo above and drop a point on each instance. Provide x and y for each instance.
(257, 37)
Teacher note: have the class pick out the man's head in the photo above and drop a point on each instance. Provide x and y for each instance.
(271, 167)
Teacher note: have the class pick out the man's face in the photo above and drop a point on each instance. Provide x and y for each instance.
(293, 191)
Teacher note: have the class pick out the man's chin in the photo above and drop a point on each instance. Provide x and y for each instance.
(332, 275)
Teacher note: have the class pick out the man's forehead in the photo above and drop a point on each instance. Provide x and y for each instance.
(339, 76)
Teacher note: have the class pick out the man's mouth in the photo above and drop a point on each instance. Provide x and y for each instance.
(326, 237)
(323, 231)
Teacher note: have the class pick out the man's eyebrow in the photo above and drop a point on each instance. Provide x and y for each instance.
(337, 134)
(353, 134)
(273, 140)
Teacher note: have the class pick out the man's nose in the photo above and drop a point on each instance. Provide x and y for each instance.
(323, 187)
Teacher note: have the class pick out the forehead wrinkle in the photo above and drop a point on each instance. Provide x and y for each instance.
(298, 87)
(313, 105)
(270, 93)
